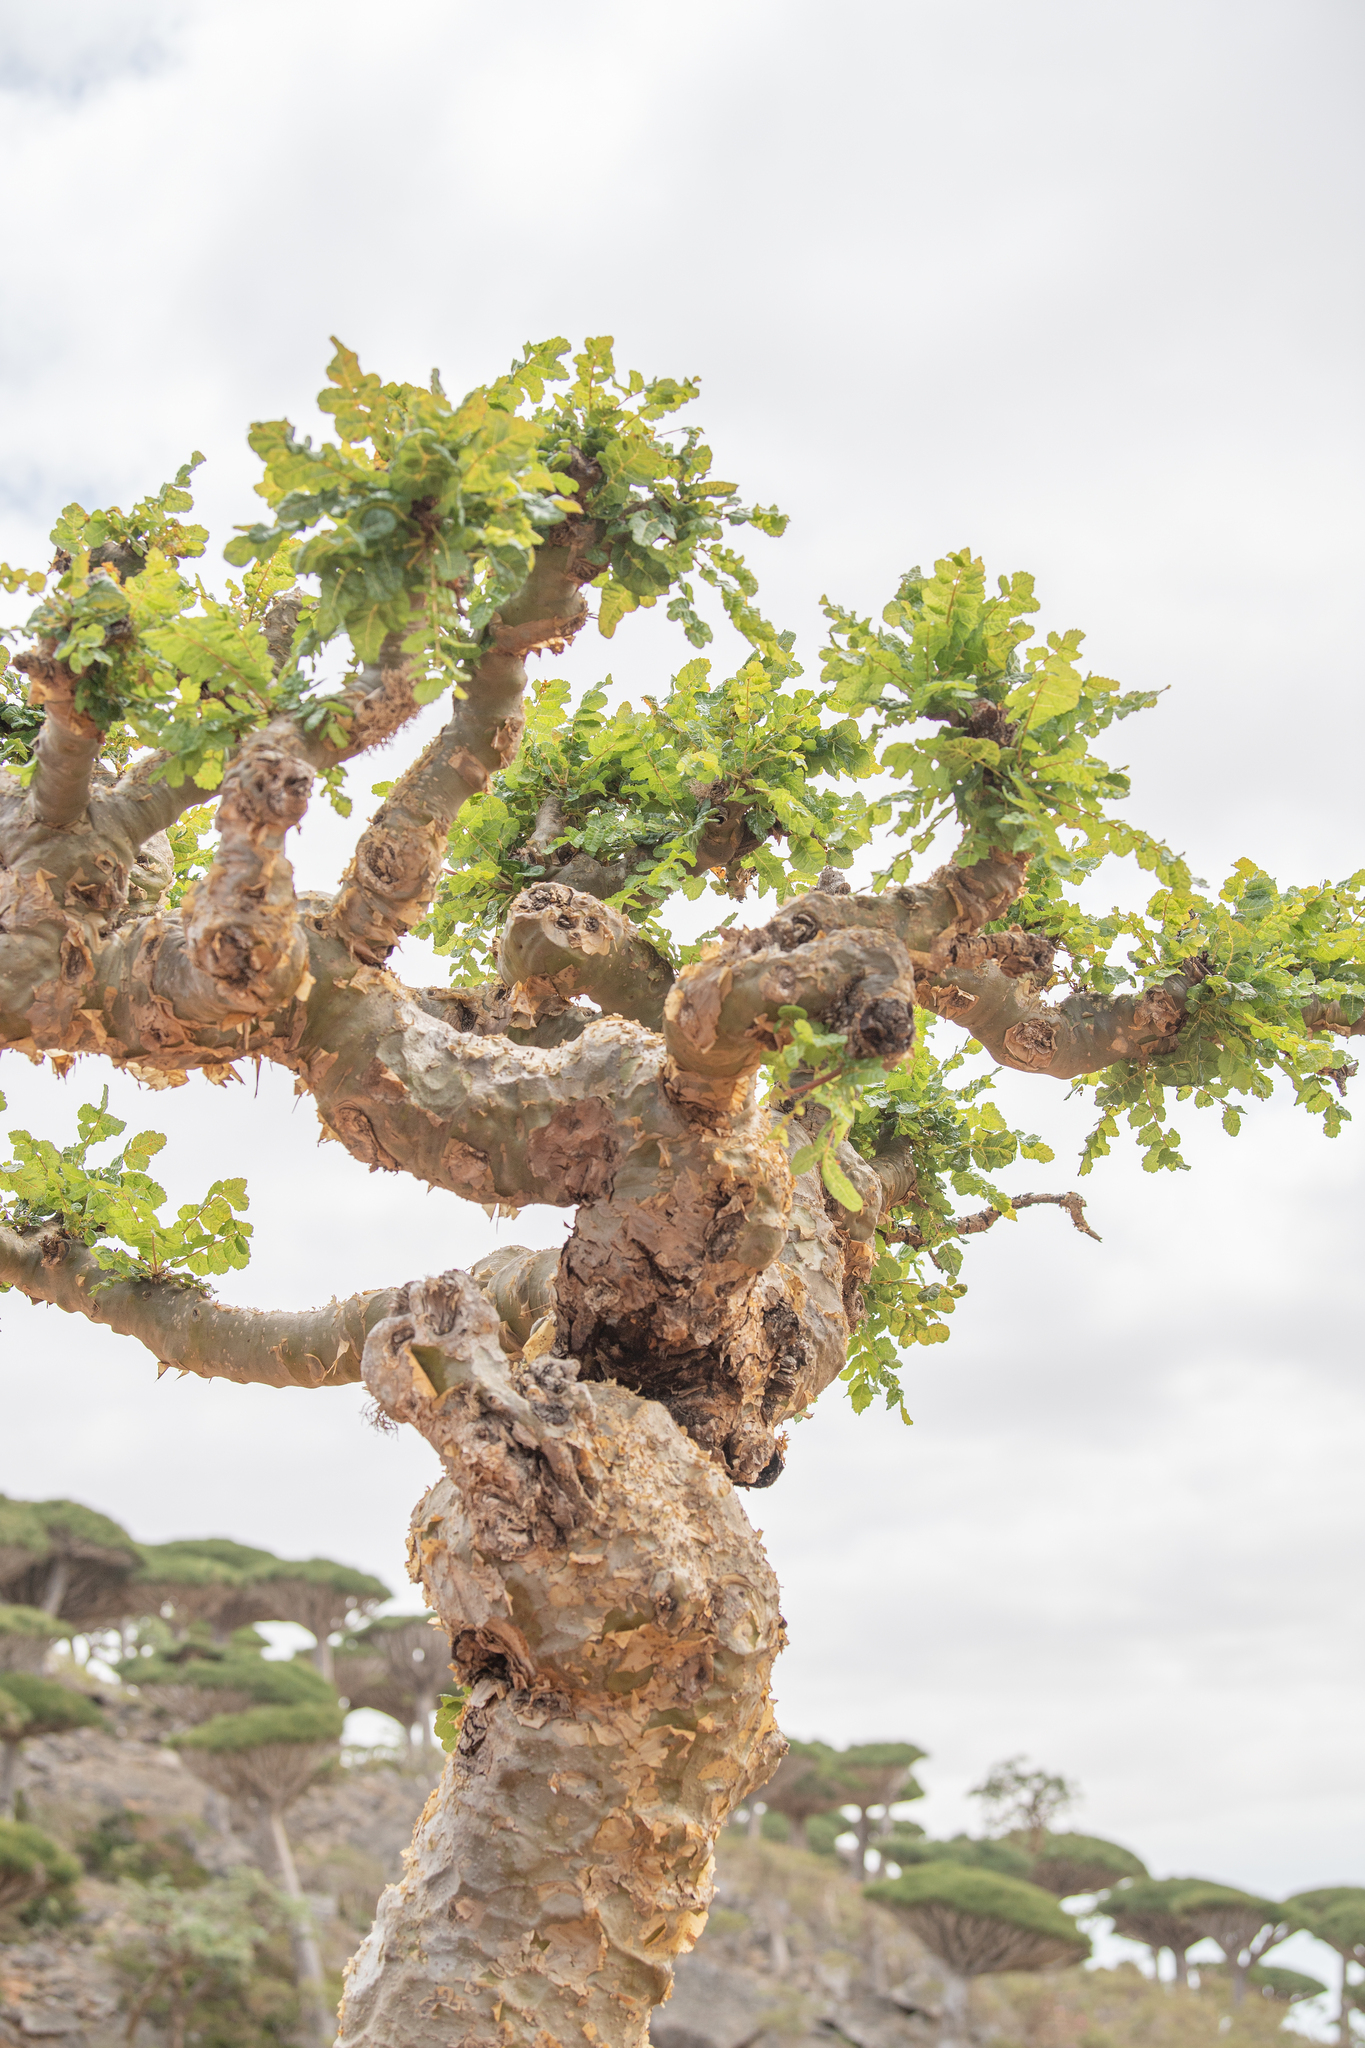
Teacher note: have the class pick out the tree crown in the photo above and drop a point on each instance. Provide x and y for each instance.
(52, 1708)
(981, 1895)
(262, 1727)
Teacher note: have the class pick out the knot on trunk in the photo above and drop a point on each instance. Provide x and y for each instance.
(265, 791)
(438, 1364)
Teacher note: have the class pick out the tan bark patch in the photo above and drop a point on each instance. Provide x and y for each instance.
(1032, 1042)
(356, 1133)
(577, 1149)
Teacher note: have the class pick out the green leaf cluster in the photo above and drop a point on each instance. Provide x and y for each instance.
(1267, 957)
(450, 1718)
(663, 515)
(957, 1140)
(1011, 764)
(735, 765)
(115, 1208)
(420, 518)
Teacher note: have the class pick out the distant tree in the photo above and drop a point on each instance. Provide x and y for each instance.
(1068, 1865)
(185, 1588)
(806, 1784)
(1244, 1926)
(1148, 1910)
(48, 1709)
(823, 1831)
(1006, 1859)
(318, 1594)
(124, 1843)
(875, 1777)
(1336, 1915)
(194, 1681)
(233, 1585)
(26, 1636)
(977, 1923)
(64, 1559)
(32, 1866)
(1287, 1987)
(1019, 1801)
(269, 1756)
(185, 1958)
(395, 1666)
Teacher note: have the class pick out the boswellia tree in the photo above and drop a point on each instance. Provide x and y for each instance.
(765, 1151)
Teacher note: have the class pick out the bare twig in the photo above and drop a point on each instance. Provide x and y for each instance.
(986, 1219)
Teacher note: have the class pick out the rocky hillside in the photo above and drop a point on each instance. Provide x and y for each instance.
(134, 1814)
(793, 1956)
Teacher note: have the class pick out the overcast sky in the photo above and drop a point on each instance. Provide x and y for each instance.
(1077, 284)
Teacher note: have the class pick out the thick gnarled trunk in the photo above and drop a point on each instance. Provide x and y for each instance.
(611, 1610)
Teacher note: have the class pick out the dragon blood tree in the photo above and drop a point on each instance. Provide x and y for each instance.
(978, 1924)
(762, 1135)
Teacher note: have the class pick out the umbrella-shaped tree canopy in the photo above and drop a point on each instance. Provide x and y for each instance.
(233, 1585)
(806, 1783)
(29, 1706)
(51, 1708)
(395, 1665)
(26, 1634)
(910, 1849)
(1335, 1913)
(317, 1593)
(272, 1754)
(1286, 1987)
(1242, 1924)
(64, 1559)
(31, 1864)
(879, 1773)
(23, 1538)
(196, 1681)
(1148, 1910)
(268, 1753)
(977, 1922)
(876, 1774)
(182, 1585)
(1068, 1865)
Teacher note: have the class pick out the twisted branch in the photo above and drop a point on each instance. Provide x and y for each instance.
(187, 1330)
(986, 1219)
(393, 873)
(67, 746)
(579, 946)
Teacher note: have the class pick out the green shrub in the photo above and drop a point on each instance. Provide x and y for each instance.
(122, 1844)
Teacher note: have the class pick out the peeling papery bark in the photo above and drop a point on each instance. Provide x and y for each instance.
(613, 1614)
